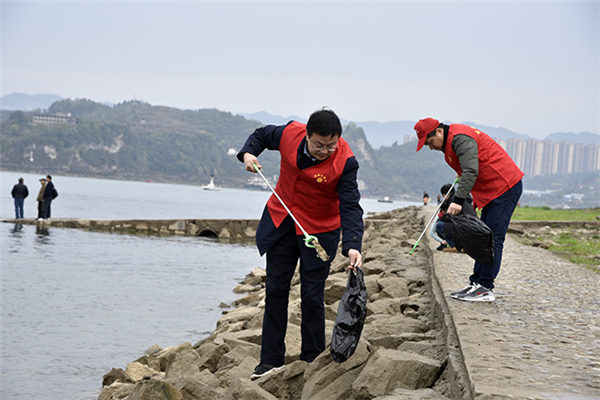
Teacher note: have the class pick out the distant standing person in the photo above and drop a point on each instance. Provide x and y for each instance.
(40, 199)
(491, 176)
(19, 193)
(48, 196)
(425, 198)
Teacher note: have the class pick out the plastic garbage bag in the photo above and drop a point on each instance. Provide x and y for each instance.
(350, 317)
(474, 236)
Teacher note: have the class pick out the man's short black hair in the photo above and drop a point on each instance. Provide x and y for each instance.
(325, 123)
(49, 177)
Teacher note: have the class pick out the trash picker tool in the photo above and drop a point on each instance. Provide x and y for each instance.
(309, 240)
(434, 214)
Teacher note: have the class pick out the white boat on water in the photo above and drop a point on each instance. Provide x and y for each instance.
(386, 199)
(211, 185)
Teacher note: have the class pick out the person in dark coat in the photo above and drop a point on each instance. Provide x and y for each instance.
(318, 183)
(40, 198)
(48, 197)
(19, 193)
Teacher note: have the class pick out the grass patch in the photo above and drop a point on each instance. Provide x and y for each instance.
(547, 214)
(578, 250)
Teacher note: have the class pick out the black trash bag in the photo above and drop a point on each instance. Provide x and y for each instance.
(474, 236)
(350, 318)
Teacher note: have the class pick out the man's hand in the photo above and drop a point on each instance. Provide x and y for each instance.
(355, 259)
(250, 159)
(454, 209)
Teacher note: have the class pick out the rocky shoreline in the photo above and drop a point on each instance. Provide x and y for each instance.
(408, 348)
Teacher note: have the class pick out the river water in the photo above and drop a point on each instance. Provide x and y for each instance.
(76, 304)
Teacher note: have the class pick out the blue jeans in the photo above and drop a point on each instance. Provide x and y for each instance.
(440, 231)
(19, 207)
(496, 214)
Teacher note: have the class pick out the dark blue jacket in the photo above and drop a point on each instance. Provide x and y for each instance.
(48, 191)
(351, 213)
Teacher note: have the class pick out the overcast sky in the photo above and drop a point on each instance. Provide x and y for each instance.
(531, 67)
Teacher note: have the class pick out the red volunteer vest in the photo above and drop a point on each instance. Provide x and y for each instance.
(497, 171)
(311, 193)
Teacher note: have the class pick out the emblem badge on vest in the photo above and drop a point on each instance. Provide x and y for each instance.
(320, 178)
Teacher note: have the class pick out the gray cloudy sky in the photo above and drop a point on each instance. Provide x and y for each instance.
(531, 67)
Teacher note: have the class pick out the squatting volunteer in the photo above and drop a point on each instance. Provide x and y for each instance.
(491, 176)
(318, 183)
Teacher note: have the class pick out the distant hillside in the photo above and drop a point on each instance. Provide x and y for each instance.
(135, 140)
(582, 137)
(26, 102)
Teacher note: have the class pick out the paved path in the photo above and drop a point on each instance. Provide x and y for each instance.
(540, 339)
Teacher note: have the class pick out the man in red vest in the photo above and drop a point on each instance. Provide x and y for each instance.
(318, 183)
(491, 176)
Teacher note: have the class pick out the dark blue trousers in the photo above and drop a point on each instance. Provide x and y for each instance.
(282, 259)
(19, 207)
(46, 207)
(496, 214)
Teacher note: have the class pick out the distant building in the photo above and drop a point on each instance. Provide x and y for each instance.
(410, 138)
(536, 157)
(51, 119)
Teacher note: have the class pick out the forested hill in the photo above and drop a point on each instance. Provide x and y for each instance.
(138, 141)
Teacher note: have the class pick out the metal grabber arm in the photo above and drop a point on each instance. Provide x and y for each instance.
(309, 240)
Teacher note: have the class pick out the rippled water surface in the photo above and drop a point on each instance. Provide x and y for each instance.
(76, 304)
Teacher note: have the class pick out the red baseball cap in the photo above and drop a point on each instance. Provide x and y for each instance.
(423, 128)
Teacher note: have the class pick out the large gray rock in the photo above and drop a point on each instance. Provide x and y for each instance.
(154, 390)
(335, 287)
(245, 313)
(138, 371)
(395, 341)
(393, 287)
(245, 389)
(387, 370)
(167, 355)
(243, 370)
(326, 379)
(386, 325)
(287, 383)
(374, 267)
(237, 355)
(196, 389)
(210, 354)
(116, 391)
(372, 285)
(246, 335)
(186, 363)
(405, 394)
(116, 375)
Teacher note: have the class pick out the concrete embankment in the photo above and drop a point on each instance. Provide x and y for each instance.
(222, 228)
